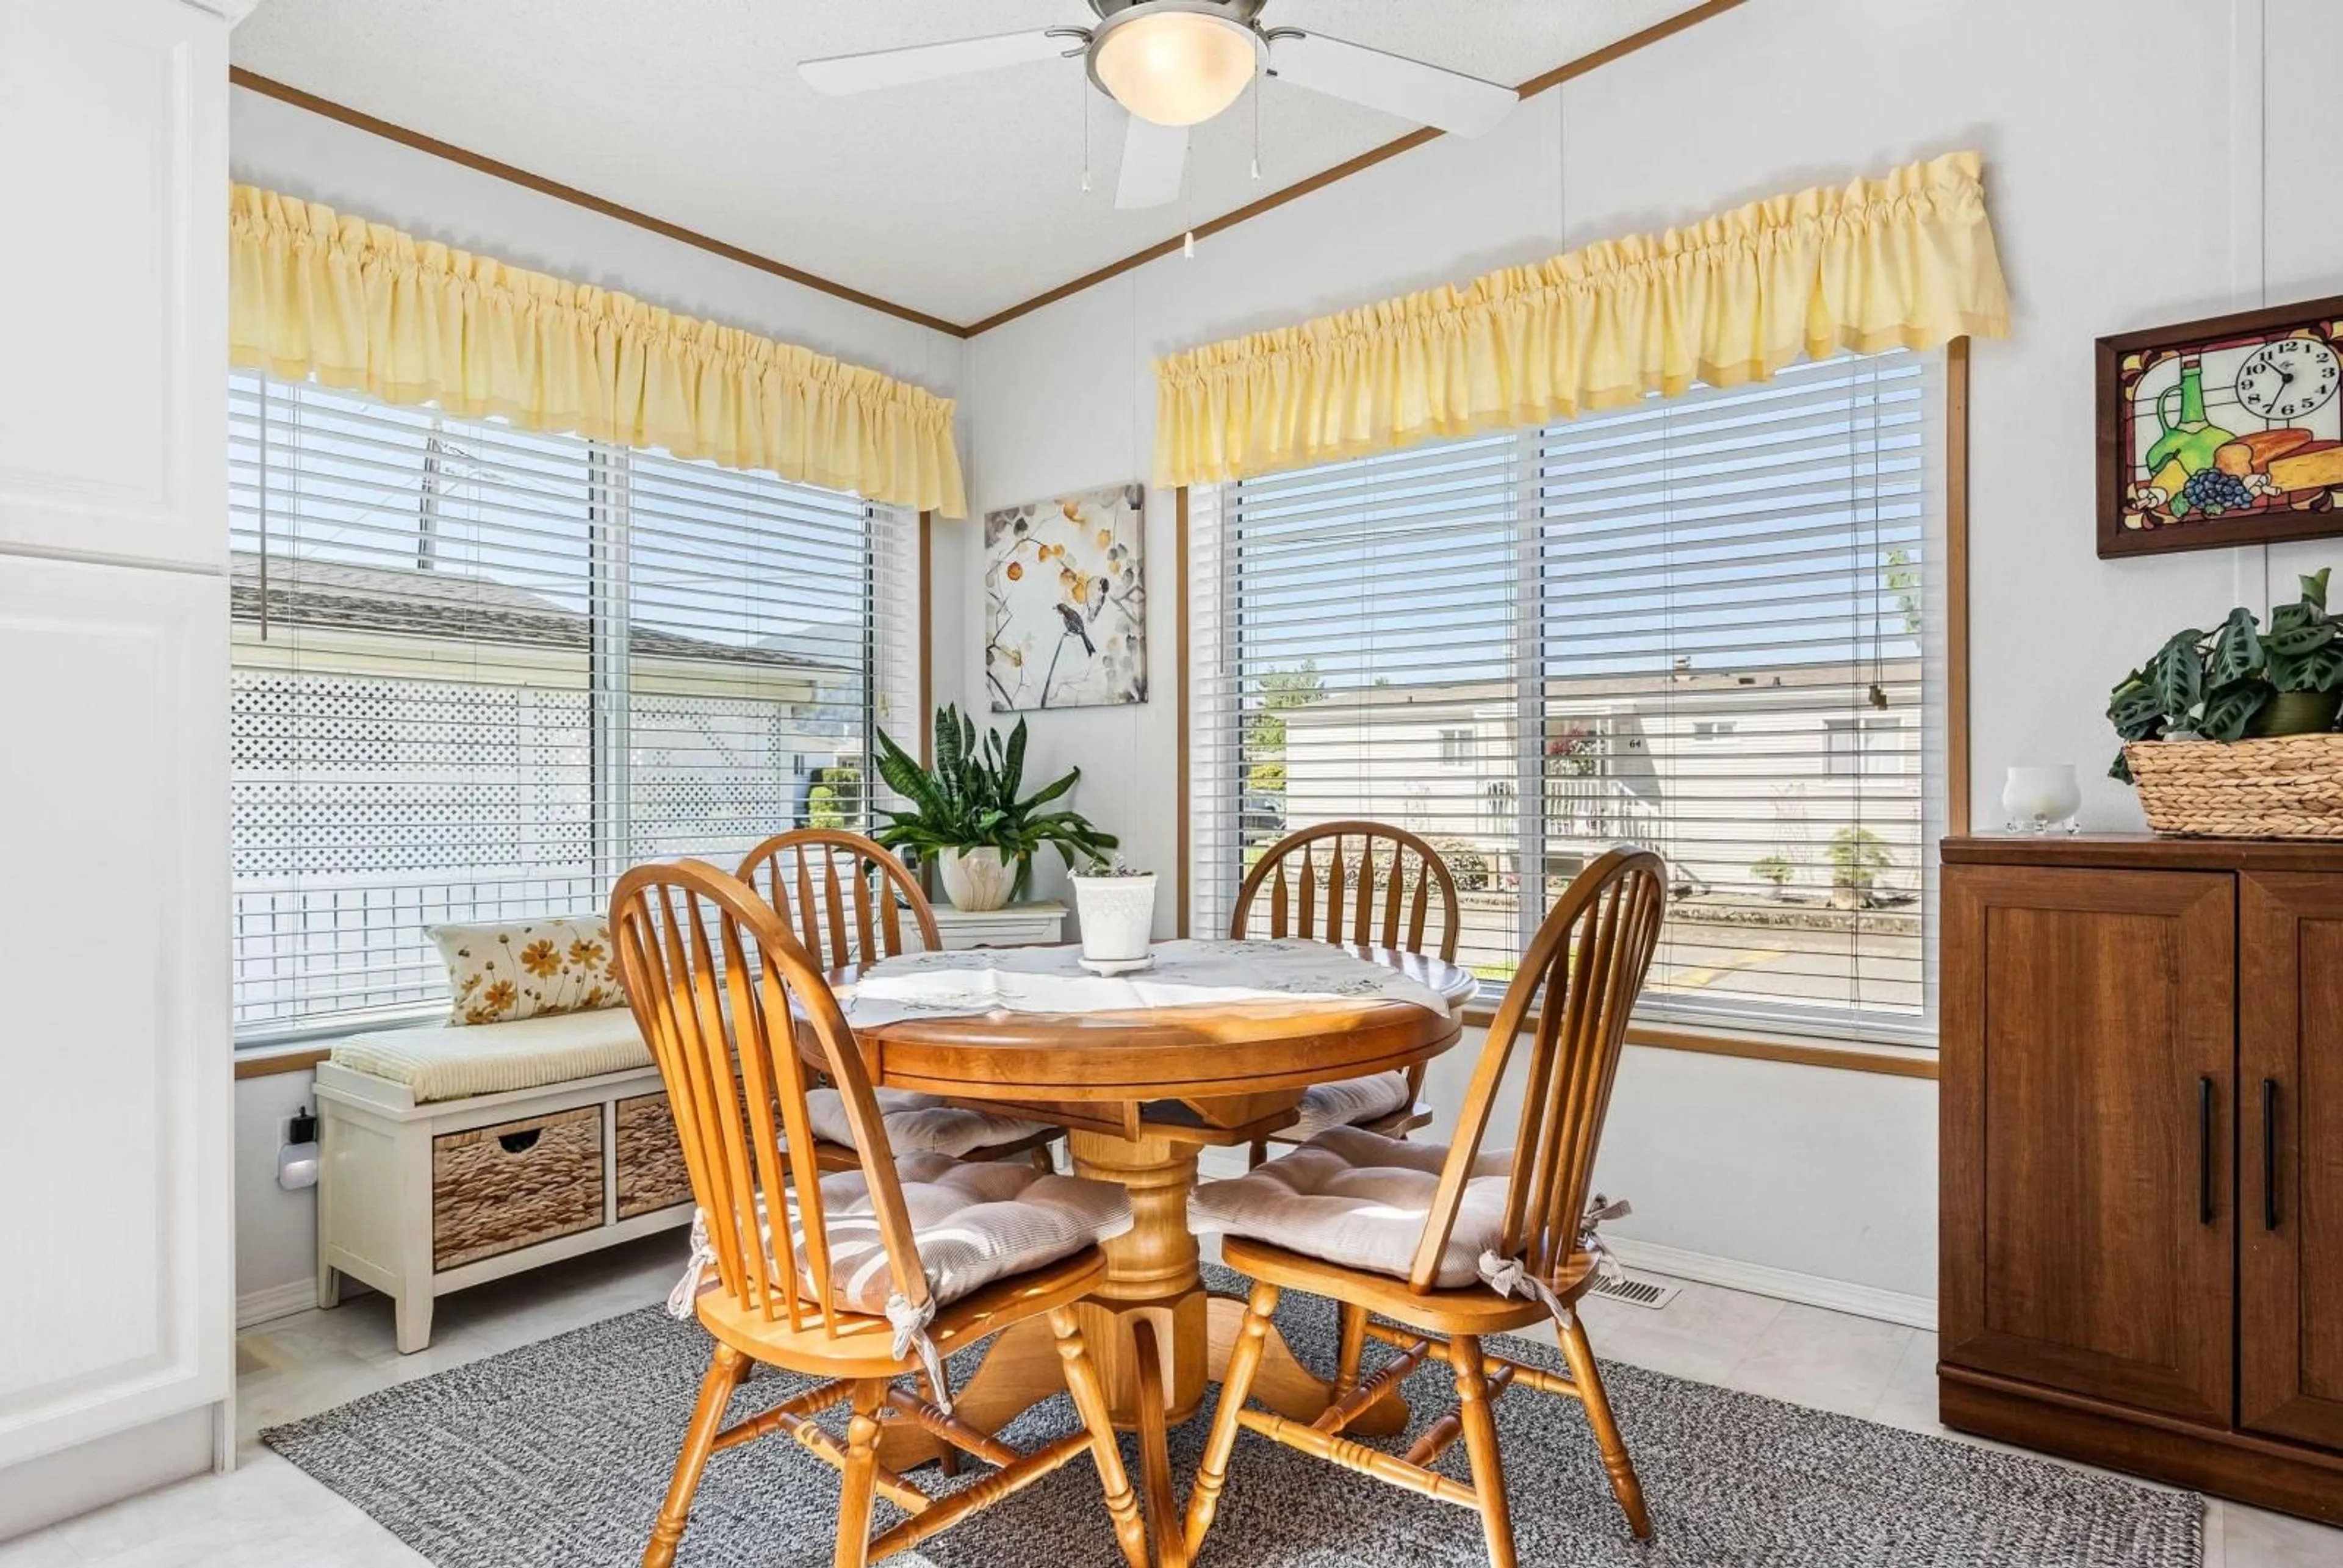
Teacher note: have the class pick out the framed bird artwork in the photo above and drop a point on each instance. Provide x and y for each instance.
(2227, 431)
(1065, 593)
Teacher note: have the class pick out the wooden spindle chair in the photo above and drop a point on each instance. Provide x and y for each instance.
(712, 977)
(1398, 893)
(1572, 996)
(850, 902)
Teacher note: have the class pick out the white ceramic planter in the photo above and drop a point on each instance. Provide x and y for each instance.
(1118, 916)
(976, 879)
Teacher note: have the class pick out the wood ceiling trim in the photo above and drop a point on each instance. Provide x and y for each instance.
(285, 93)
(266, 88)
(1366, 160)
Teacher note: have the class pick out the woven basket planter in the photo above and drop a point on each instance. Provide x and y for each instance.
(2287, 787)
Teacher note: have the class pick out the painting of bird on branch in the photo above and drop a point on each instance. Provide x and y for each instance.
(1066, 601)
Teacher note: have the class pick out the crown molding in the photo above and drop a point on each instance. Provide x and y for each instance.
(254, 81)
(1568, 71)
(235, 10)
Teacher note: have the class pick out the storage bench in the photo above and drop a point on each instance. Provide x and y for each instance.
(453, 1155)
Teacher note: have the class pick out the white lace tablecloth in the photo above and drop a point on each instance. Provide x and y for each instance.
(1184, 974)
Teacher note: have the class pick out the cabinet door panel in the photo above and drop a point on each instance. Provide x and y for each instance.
(114, 1290)
(2290, 1078)
(2088, 1090)
(113, 412)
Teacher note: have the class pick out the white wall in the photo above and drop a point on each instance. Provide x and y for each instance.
(2133, 179)
(275, 144)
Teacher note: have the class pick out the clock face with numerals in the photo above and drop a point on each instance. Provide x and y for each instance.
(2288, 378)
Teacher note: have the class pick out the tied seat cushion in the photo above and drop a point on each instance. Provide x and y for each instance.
(918, 1123)
(1326, 1106)
(975, 1223)
(1359, 1199)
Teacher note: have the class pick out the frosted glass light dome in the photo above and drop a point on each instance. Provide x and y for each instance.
(1174, 61)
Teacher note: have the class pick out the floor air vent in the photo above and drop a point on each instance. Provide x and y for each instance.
(1636, 1291)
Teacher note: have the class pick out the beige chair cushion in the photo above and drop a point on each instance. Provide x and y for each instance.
(505, 971)
(918, 1123)
(1359, 1199)
(453, 1061)
(975, 1223)
(1326, 1106)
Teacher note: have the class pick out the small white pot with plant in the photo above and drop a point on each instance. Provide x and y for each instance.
(966, 816)
(1116, 906)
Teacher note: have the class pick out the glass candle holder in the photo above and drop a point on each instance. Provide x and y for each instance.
(2037, 797)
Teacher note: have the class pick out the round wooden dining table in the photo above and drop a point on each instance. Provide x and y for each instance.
(1139, 1093)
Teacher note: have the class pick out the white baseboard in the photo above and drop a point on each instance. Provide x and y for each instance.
(1781, 1284)
(275, 1302)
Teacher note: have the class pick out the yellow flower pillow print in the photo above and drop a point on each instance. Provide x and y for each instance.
(528, 969)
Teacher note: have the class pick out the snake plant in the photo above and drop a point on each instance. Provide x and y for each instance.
(969, 801)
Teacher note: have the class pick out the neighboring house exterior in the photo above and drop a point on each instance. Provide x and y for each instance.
(1718, 770)
(386, 776)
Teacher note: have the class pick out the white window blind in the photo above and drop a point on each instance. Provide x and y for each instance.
(478, 672)
(1709, 624)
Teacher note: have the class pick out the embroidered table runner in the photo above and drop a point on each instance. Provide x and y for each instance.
(1184, 974)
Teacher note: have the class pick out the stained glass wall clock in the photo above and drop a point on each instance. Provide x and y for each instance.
(2227, 431)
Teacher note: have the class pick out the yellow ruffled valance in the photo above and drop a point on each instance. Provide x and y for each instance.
(365, 306)
(1904, 261)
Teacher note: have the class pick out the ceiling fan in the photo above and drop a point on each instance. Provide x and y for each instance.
(1175, 64)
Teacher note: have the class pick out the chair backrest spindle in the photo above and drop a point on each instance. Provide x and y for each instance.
(1573, 992)
(1394, 869)
(853, 871)
(738, 1015)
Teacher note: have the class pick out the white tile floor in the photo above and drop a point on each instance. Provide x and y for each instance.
(266, 1514)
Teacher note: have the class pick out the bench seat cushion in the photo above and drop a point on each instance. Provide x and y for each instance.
(456, 1062)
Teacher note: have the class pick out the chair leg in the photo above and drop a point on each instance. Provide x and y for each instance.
(948, 1461)
(1480, 1423)
(1353, 1345)
(1044, 1161)
(862, 1476)
(1089, 1394)
(1259, 1153)
(725, 1371)
(1615, 1462)
(1244, 1360)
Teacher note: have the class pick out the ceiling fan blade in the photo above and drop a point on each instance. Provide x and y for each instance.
(1411, 89)
(840, 74)
(1154, 163)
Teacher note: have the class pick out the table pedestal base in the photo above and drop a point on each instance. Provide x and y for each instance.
(1152, 1281)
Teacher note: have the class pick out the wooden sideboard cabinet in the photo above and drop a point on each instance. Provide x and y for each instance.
(2142, 1157)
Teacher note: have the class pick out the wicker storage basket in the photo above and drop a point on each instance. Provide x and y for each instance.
(2287, 787)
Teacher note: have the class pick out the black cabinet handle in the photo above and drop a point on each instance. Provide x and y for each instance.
(2269, 1153)
(2205, 1151)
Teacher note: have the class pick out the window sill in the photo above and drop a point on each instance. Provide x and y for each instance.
(267, 1062)
(1797, 1050)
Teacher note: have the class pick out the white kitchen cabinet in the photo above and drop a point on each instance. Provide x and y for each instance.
(114, 176)
(116, 1248)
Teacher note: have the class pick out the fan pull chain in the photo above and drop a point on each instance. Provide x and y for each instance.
(1084, 88)
(1256, 124)
(1188, 246)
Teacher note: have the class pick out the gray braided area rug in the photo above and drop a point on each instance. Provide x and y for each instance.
(558, 1452)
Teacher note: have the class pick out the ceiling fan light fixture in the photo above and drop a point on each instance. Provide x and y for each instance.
(1174, 61)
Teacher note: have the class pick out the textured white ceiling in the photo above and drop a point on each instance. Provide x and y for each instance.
(957, 198)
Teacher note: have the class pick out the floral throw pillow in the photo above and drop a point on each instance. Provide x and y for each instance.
(528, 969)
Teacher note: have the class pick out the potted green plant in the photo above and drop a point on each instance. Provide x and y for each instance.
(2238, 681)
(966, 815)
(1856, 858)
